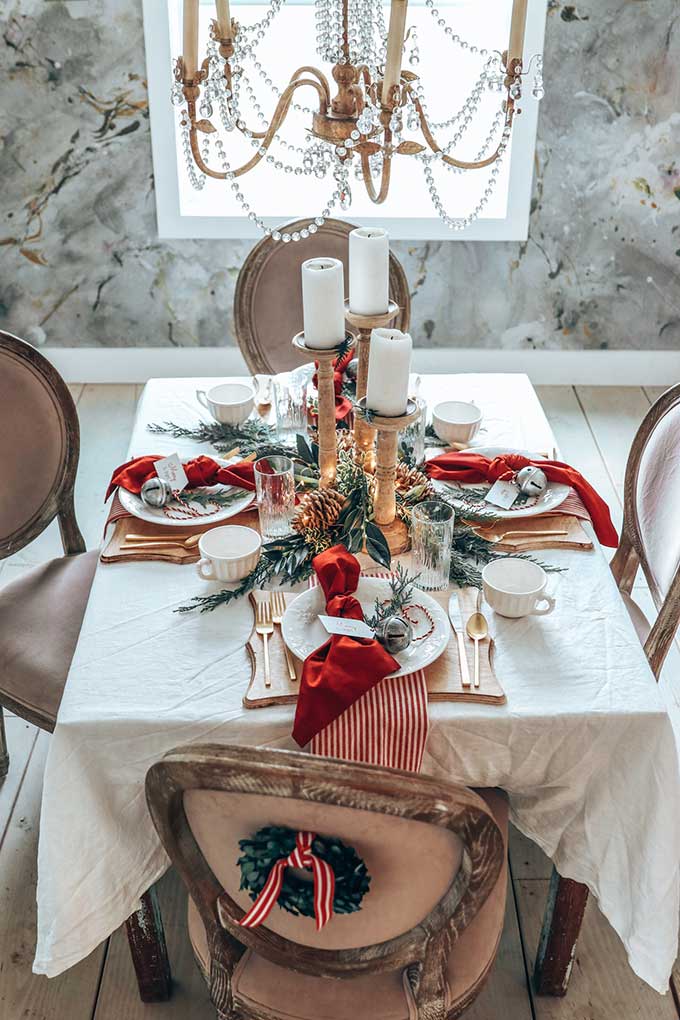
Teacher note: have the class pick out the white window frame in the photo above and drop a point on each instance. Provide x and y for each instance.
(172, 224)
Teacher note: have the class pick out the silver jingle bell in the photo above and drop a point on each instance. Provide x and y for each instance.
(531, 481)
(156, 492)
(352, 369)
(394, 634)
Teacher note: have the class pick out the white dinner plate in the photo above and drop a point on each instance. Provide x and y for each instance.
(554, 495)
(303, 632)
(203, 515)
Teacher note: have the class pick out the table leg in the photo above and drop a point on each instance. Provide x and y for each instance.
(148, 950)
(561, 926)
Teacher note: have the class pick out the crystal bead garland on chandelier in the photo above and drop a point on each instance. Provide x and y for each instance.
(379, 111)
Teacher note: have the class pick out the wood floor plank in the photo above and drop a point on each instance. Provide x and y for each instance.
(118, 995)
(505, 993)
(20, 740)
(614, 414)
(577, 443)
(22, 994)
(602, 986)
(106, 416)
(527, 859)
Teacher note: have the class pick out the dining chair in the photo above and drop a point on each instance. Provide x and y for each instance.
(426, 935)
(650, 536)
(268, 296)
(42, 610)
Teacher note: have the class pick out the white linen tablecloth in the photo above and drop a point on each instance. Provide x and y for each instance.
(583, 746)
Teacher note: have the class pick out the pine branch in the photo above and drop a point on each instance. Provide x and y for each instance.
(401, 588)
(250, 436)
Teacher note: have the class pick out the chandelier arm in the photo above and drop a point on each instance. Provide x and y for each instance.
(323, 80)
(451, 160)
(378, 196)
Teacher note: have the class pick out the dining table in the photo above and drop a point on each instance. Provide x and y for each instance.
(583, 744)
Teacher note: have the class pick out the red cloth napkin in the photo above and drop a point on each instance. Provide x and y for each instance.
(337, 674)
(474, 468)
(343, 405)
(200, 471)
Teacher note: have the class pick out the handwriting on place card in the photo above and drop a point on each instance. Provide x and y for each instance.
(171, 471)
(351, 628)
(502, 494)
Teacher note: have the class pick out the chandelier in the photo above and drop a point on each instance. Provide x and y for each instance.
(378, 110)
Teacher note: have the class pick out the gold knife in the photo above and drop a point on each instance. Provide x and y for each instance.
(456, 620)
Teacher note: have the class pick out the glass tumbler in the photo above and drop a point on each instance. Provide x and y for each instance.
(290, 402)
(431, 541)
(412, 438)
(275, 490)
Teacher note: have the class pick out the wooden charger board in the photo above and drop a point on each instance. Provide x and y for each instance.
(443, 676)
(124, 526)
(576, 536)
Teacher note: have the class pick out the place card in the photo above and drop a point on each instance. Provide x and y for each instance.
(171, 471)
(341, 625)
(502, 494)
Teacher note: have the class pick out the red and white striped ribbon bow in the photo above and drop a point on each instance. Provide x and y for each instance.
(301, 857)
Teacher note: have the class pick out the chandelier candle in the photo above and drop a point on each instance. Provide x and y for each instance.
(369, 271)
(323, 303)
(190, 38)
(389, 367)
(223, 18)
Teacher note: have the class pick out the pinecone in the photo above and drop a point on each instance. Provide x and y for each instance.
(318, 510)
(408, 478)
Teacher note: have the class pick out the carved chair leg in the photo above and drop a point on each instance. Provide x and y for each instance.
(561, 926)
(4, 753)
(148, 950)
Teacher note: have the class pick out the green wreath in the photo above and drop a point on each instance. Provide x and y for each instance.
(273, 842)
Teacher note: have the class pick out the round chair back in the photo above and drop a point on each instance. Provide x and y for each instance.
(268, 297)
(39, 444)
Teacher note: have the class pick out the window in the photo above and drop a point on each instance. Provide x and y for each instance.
(448, 74)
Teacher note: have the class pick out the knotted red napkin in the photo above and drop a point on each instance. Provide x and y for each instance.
(199, 471)
(343, 405)
(343, 669)
(473, 467)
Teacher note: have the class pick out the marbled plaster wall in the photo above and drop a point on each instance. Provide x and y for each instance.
(80, 262)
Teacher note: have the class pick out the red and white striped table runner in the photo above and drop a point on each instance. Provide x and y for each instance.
(386, 726)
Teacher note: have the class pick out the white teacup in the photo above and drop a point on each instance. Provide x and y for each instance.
(456, 421)
(229, 403)
(228, 553)
(514, 587)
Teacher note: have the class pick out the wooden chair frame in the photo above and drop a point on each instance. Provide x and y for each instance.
(255, 355)
(59, 502)
(631, 554)
(423, 949)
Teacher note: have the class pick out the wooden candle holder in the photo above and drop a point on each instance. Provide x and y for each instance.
(385, 503)
(328, 451)
(364, 434)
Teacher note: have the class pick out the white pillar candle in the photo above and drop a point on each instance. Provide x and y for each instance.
(389, 365)
(369, 271)
(323, 303)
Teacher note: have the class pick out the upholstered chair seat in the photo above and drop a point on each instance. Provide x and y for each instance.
(41, 614)
(260, 985)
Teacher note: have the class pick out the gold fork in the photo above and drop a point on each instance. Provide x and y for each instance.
(264, 627)
(517, 535)
(278, 609)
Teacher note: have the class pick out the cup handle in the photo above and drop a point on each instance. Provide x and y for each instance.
(548, 608)
(202, 398)
(204, 569)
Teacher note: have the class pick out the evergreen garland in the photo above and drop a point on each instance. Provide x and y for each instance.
(273, 842)
(252, 435)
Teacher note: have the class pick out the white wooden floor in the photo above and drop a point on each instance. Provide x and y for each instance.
(594, 428)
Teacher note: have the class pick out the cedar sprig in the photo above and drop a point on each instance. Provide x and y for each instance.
(252, 435)
(401, 595)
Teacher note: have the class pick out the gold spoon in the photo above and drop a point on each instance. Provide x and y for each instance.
(516, 534)
(477, 629)
(161, 543)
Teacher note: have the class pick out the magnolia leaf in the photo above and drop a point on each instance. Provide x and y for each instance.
(304, 450)
(205, 126)
(376, 545)
(36, 257)
(409, 148)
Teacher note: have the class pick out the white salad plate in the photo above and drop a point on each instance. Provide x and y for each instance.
(303, 632)
(551, 499)
(167, 515)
